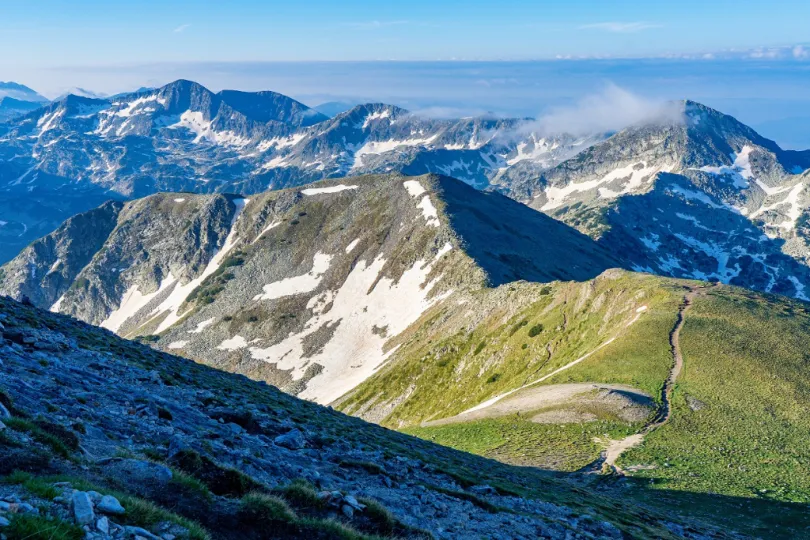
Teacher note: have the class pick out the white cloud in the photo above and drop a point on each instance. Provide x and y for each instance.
(182, 28)
(620, 27)
(800, 52)
(610, 110)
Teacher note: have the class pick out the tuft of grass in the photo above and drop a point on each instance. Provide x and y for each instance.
(262, 508)
(301, 495)
(367, 466)
(219, 479)
(464, 496)
(41, 436)
(32, 527)
(189, 484)
(143, 513)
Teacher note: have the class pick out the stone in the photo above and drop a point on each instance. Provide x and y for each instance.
(139, 532)
(143, 473)
(4, 522)
(293, 439)
(347, 510)
(103, 525)
(83, 508)
(110, 505)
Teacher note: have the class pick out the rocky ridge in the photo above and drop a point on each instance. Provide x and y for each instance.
(303, 288)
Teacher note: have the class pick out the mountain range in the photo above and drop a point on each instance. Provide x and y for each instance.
(182, 137)
(615, 304)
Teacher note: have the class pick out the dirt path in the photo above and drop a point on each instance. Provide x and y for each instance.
(538, 397)
(616, 448)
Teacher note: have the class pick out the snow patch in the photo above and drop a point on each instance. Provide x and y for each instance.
(236, 342)
(352, 245)
(179, 294)
(634, 174)
(132, 302)
(429, 212)
(57, 305)
(331, 189)
(366, 311)
(269, 227)
(202, 326)
(299, 284)
(177, 344)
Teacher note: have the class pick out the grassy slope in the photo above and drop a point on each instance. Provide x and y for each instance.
(446, 368)
(746, 359)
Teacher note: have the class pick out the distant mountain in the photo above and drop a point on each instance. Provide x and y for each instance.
(334, 108)
(183, 137)
(80, 92)
(20, 92)
(706, 198)
(12, 108)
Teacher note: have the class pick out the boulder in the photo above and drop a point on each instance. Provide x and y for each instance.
(110, 505)
(293, 439)
(83, 508)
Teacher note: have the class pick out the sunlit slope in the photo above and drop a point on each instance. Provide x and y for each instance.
(737, 425)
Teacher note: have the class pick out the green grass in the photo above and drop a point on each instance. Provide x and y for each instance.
(518, 441)
(747, 360)
(263, 508)
(47, 437)
(444, 369)
(31, 527)
(139, 512)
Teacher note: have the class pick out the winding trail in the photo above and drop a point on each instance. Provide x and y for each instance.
(616, 448)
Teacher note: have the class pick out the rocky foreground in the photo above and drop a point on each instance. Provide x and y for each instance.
(107, 438)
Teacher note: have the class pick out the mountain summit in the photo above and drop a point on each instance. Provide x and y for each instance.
(706, 197)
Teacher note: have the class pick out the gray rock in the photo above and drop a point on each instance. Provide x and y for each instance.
(143, 533)
(110, 505)
(103, 525)
(294, 440)
(83, 508)
(347, 510)
(142, 473)
(4, 522)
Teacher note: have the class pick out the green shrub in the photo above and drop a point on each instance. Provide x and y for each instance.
(535, 330)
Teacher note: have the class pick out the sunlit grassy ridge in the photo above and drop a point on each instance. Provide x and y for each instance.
(747, 379)
(501, 339)
(739, 422)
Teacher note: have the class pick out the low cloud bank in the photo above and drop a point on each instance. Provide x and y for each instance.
(612, 109)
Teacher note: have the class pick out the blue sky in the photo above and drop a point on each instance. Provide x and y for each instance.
(47, 32)
(747, 58)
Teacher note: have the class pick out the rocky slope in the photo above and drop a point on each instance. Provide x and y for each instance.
(182, 137)
(304, 288)
(705, 197)
(106, 438)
